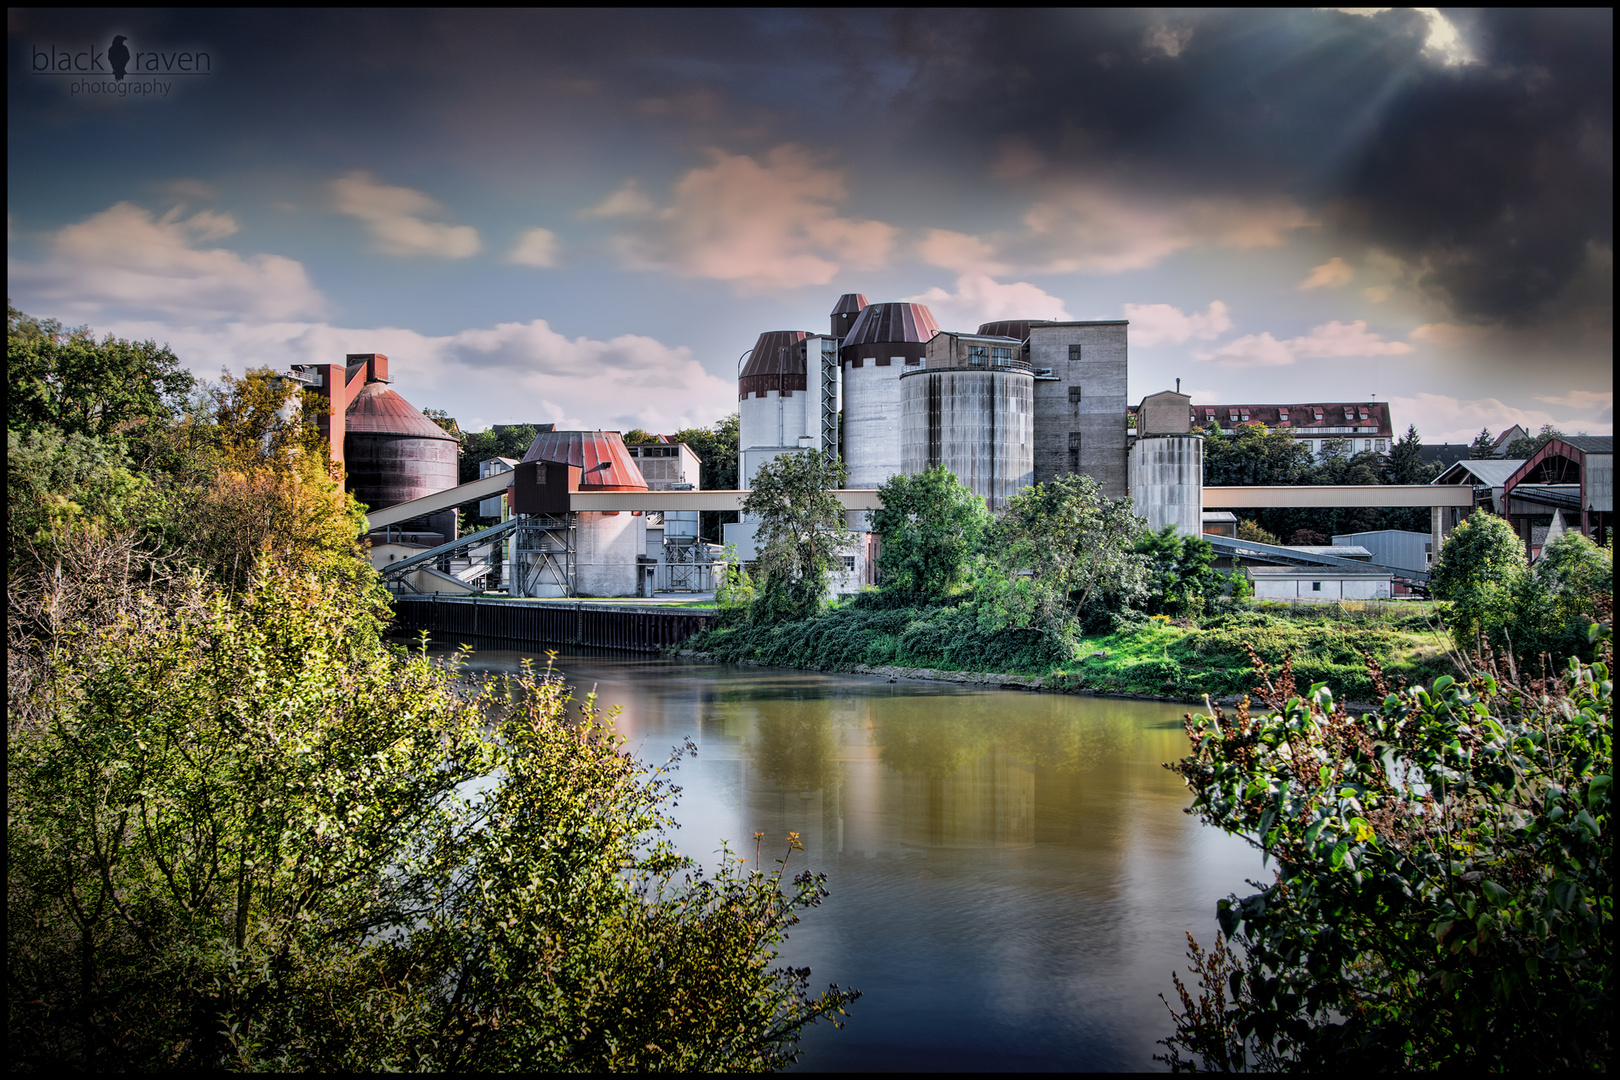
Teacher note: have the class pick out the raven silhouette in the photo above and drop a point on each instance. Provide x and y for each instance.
(118, 57)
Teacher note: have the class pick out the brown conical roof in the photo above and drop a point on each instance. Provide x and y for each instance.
(377, 410)
(892, 322)
(777, 363)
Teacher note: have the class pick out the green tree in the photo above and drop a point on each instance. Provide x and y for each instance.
(1179, 571)
(1569, 587)
(930, 525)
(1527, 446)
(1443, 895)
(1065, 551)
(1253, 455)
(478, 446)
(65, 379)
(636, 437)
(1483, 447)
(1481, 573)
(1248, 530)
(243, 834)
(1405, 464)
(800, 534)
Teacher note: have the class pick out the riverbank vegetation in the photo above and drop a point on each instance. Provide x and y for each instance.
(1070, 585)
(244, 832)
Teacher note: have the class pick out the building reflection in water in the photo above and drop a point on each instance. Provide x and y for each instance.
(1011, 873)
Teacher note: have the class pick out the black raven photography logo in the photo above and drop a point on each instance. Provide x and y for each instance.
(136, 72)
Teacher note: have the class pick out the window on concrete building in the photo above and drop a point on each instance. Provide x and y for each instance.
(1316, 586)
(1074, 399)
(1001, 357)
(978, 356)
(1383, 445)
(848, 562)
(1074, 451)
(1074, 354)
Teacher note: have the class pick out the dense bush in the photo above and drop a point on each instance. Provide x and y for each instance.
(243, 834)
(1443, 895)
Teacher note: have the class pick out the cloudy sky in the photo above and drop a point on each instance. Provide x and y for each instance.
(586, 217)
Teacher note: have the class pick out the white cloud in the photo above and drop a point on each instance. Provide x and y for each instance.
(1442, 418)
(507, 372)
(960, 252)
(536, 247)
(394, 217)
(1333, 274)
(1330, 340)
(1169, 40)
(126, 258)
(1159, 324)
(1378, 293)
(981, 299)
(1583, 400)
(770, 225)
(627, 201)
(1449, 335)
(1091, 229)
(1441, 42)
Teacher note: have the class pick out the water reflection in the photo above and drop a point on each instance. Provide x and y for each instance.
(1011, 873)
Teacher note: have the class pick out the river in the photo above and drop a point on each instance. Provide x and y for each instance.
(1011, 873)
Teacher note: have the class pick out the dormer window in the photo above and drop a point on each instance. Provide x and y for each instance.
(1364, 414)
(1318, 413)
(1233, 416)
(1349, 413)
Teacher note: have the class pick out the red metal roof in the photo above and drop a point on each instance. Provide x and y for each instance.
(377, 410)
(603, 461)
(883, 323)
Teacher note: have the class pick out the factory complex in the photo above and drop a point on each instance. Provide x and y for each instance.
(887, 391)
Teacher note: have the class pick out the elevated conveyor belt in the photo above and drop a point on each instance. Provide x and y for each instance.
(486, 488)
(1225, 545)
(483, 536)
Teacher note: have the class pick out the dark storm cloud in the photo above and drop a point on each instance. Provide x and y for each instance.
(1491, 181)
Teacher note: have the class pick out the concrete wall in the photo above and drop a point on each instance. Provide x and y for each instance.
(1296, 586)
(1084, 406)
(606, 546)
(872, 419)
(975, 423)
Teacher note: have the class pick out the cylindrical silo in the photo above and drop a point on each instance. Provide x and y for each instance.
(1167, 482)
(606, 543)
(884, 342)
(773, 402)
(977, 423)
(394, 454)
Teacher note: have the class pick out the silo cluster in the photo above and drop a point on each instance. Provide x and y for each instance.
(883, 342)
(605, 544)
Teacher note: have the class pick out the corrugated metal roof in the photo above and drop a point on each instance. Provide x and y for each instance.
(850, 303)
(604, 462)
(1013, 328)
(1492, 472)
(880, 323)
(1589, 444)
(377, 410)
(777, 352)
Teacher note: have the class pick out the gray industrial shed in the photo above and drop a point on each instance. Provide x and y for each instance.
(1393, 547)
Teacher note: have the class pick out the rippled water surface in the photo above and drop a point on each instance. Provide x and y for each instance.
(1012, 875)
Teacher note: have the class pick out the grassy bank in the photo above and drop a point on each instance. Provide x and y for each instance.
(1184, 658)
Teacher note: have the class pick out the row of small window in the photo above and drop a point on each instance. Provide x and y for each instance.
(989, 356)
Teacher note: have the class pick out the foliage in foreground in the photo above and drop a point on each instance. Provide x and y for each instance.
(243, 835)
(1443, 895)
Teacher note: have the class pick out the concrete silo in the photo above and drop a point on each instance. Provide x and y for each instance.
(596, 551)
(970, 407)
(883, 342)
(1166, 465)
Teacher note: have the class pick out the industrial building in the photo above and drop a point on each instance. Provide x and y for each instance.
(1364, 425)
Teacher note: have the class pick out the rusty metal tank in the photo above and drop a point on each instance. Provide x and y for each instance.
(395, 454)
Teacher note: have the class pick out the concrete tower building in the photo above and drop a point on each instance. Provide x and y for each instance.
(1080, 404)
(970, 407)
(1167, 465)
